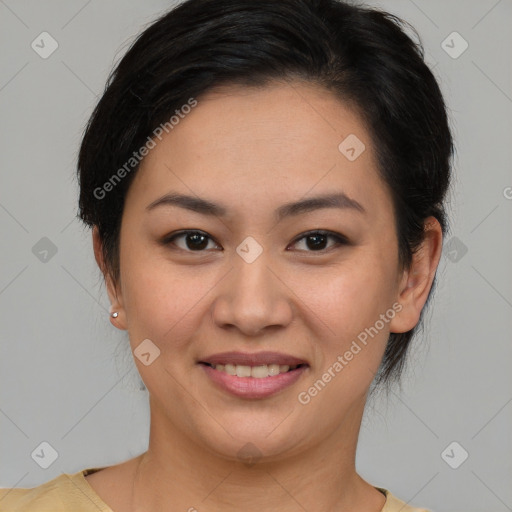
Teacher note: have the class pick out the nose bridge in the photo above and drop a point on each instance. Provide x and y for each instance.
(252, 298)
(252, 274)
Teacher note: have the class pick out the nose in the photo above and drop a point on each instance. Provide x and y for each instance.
(253, 298)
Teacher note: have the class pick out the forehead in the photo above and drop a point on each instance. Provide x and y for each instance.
(281, 122)
(266, 145)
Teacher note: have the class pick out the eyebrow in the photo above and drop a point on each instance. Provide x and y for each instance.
(205, 207)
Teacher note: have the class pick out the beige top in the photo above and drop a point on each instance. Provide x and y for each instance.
(72, 493)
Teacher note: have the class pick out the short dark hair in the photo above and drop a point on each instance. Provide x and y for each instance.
(363, 55)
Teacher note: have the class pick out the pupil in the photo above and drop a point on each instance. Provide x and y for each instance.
(316, 245)
(196, 237)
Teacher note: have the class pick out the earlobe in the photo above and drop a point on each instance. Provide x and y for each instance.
(417, 280)
(116, 308)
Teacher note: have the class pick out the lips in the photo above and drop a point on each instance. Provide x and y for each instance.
(253, 376)
(255, 359)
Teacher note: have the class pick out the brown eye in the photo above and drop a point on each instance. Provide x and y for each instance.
(316, 241)
(194, 240)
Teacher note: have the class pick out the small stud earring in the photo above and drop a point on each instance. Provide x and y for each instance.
(114, 315)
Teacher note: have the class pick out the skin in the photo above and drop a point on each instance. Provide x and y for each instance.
(253, 150)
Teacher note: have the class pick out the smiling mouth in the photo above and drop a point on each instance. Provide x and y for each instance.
(256, 372)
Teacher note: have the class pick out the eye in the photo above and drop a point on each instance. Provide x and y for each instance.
(317, 240)
(195, 240)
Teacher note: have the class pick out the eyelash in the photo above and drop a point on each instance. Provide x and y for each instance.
(340, 239)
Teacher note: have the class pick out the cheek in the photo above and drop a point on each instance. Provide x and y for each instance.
(155, 298)
(349, 298)
(350, 349)
(350, 303)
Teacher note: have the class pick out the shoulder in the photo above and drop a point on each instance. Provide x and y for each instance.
(65, 492)
(394, 504)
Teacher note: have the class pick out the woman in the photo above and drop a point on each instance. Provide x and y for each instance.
(265, 183)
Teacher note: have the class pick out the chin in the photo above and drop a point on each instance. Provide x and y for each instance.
(250, 438)
(250, 450)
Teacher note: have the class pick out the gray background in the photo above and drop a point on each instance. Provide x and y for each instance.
(67, 377)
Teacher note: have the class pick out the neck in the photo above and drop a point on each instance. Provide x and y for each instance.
(177, 474)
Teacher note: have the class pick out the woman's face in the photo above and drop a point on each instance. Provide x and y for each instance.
(254, 282)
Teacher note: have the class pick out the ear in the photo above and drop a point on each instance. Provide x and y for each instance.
(115, 297)
(416, 282)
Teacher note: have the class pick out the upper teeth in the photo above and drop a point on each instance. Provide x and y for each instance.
(258, 372)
